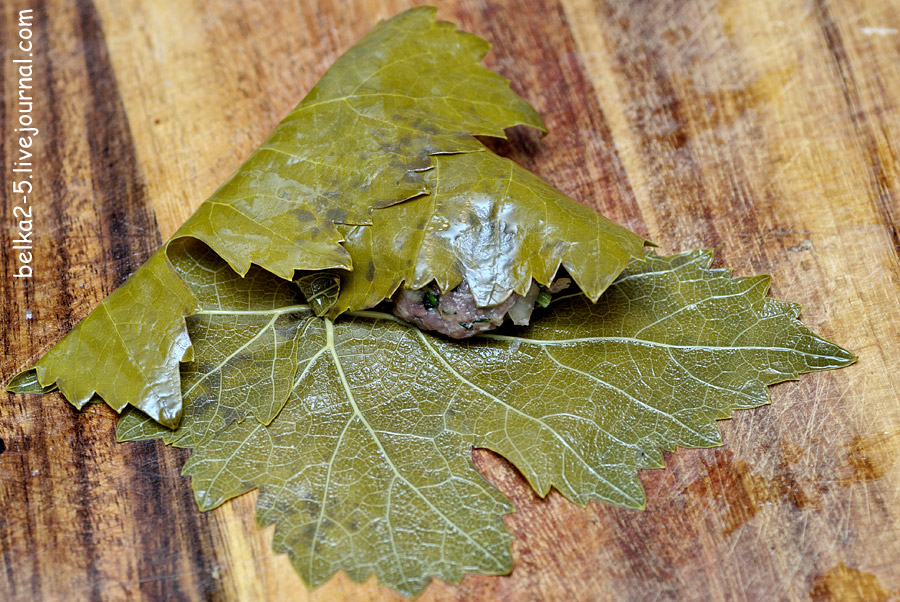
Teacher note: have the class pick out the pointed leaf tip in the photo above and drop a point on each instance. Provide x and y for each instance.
(27, 382)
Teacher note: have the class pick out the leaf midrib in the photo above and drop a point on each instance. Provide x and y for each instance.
(377, 315)
(329, 344)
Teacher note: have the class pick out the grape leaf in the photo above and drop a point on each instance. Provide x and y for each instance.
(490, 222)
(359, 141)
(409, 95)
(367, 466)
(127, 350)
(247, 335)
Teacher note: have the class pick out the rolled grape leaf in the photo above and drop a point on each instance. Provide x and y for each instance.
(367, 467)
(393, 113)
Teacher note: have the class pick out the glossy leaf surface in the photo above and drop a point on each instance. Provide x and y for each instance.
(367, 467)
(358, 141)
(490, 222)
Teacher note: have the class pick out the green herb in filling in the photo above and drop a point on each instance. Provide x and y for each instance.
(543, 298)
(430, 301)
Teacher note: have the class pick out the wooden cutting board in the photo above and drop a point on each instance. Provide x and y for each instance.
(769, 131)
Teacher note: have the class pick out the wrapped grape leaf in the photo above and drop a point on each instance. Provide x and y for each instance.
(394, 118)
(256, 335)
(367, 466)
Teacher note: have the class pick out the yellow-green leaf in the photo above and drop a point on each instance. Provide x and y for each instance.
(127, 350)
(367, 468)
(409, 89)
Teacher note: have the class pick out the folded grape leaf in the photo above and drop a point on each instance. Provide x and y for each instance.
(411, 88)
(409, 95)
(490, 222)
(127, 350)
(367, 466)
(247, 335)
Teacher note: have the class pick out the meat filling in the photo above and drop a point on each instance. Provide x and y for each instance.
(455, 314)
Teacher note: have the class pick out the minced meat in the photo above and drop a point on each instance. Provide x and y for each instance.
(455, 314)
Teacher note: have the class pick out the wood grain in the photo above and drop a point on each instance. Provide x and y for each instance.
(769, 131)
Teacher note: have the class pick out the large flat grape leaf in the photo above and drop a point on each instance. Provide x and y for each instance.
(365, 140)
(367, 468)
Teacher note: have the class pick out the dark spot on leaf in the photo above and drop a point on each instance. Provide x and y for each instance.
(389, 148)
(307, 532)
(230, 415)
(241, 359)
(213, 380)
(370, 271)
(336, 214)
(202, 402)
(312, 507)
(284, 507)
(201, 367)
